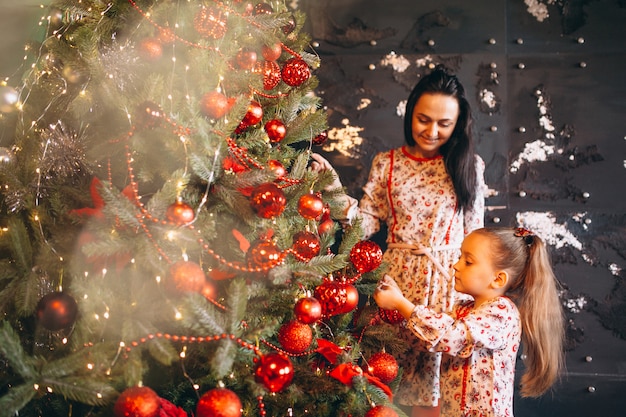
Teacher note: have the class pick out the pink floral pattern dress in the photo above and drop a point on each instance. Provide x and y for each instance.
(415, 198)
(480, 349)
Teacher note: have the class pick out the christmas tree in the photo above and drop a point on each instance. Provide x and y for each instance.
(165, 249)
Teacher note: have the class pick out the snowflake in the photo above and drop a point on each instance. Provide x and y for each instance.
(545, 226)
(398, 62)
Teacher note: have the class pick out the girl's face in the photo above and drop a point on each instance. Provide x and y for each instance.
(474, 273)
(433, 121)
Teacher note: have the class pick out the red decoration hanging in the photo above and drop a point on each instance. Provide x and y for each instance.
(246, 59)
(277, 168)
(306, 245)
(390, 316)
(210, 22)
(311, 206)
(321, 138)
(308, 310)
(381, 411)
(263, 254)
(276, 130)
(290, 26)
(271, 74)
(137, 402)
(219, 402)
(383, 366)
(214, 104)
(180, 213)
(336, 297)
(271, 52)
(253, 115)
(268, 201)
(186, 276)
(151, 49)
(366, 256)
(295, 336)
(274, 371)
(57, 311)
(295, 72)
(263, 8)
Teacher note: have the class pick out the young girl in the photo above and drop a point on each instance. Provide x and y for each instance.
(508, 274)
(430, 194)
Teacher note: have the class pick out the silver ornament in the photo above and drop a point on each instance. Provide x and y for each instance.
(9, 97)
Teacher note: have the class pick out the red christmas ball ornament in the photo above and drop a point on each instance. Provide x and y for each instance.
(219, 402)
(390, 316)
(383, 366)
(56, 311)
(263, 8)
(336, 297)
(290, 26)
(180, 213)
(366, 256)
(277, 168)
(306, 245)
(254, 114)
(137, 402)
(274, 371)
(308, 310)
(311, 206)
(186, 276)
(214, 104)
(295, 336)
(263, 254)
(325, 226)
(271, 74)
(151, 49)
(381, 411)
(271, 52)
(210, 22)
(246, 59)
(295, 72)
(276, 130)
(321, 138)
(268, 201)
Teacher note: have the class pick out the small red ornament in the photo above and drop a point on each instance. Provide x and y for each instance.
(290, 26)
(263, 254)
(186, 276)
(271, 74)
(383, 366)
(295, 336)
(246, 59)
(271, 52)
(263, 8)
(321, 138)
(137, 402)
(277, 168)
(311, 206)
(214, 104)
(166, 36)
(151, 49)
(274, 371)
(308, 310)
(254, 114)
(381, 411)
(180, 213)
(219, 402)
(366, 256)
(276, 130)
(336, 297)
(210, 22)
(325, 226)
(390, 316)
(295, 72)
(57, 311)
(268, 201)
(307, 245)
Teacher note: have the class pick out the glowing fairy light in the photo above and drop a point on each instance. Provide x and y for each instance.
(90, 366)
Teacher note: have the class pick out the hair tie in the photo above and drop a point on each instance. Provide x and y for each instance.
(527, 235)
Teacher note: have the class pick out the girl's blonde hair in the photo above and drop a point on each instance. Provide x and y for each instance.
(534, 289)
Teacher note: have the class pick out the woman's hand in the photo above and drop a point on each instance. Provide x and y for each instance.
(320, 164)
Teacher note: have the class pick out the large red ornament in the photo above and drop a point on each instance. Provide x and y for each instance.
(295, 72)
(271, 52)
(381, 411)
(390, 316)
(308, 310)
(295, 336)
(210, 22)
(214, 104)
(186, 276)
(271, 74)
(276, 130)
(246, 59)
(336, 297)
(306, 245)
(219, 402)
(383, 366)
(180, 213)
(311, 206)
(366, 256)
(137, 402)
(268, 201)
(274, 371)
(263, 254)
(57, 311)
(253, 115)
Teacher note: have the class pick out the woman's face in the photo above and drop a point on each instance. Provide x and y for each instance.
(433, 121)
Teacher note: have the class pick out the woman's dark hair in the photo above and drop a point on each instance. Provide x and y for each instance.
(458, 152)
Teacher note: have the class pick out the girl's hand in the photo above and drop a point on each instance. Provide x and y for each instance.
(388, 295)
(321, 164)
